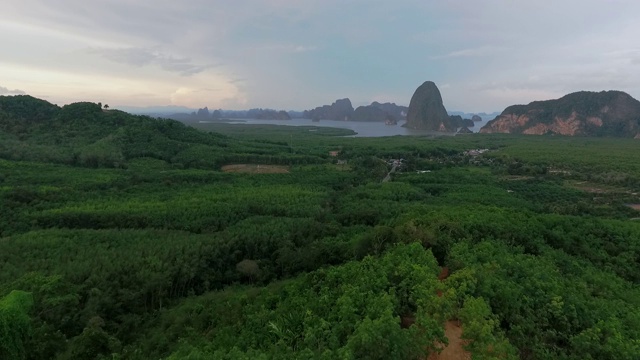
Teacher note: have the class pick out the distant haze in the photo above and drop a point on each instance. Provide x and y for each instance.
(290, 54)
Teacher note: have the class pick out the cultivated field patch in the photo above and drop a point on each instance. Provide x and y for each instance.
(256, 169)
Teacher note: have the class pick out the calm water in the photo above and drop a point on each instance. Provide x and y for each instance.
(363, 129)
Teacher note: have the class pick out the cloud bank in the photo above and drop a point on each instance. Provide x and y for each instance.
(296, 55)
(5, 91)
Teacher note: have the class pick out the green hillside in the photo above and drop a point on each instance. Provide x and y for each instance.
(84, 134)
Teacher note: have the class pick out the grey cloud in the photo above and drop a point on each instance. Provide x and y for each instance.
(546, 54)
(145, 56)
(5, 91)
(470, 52)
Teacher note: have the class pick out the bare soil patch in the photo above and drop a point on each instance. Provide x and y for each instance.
(596, 188)
(590, 189)
(444, 273)
(453, 331)
(455, 349)
(256, 169)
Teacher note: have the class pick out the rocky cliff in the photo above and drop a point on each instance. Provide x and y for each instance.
(457, 121)
(339, 110)
(268, 114)
(397, 111)
(369, 113)
(387, 112)
(427, 112)
(584, 113)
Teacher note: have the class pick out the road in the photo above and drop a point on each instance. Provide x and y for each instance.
(393, 169)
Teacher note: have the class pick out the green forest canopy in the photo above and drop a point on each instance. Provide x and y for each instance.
(121, 237)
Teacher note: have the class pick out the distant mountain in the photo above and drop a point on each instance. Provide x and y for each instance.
(268, 114)
(427, 111)
(154, 110)
(584, 113)
(457, 121)
(369, 113)
(377, 112)
(295, 114)
(257, 113)
(397, 111)
(477, 117)
(340, 110)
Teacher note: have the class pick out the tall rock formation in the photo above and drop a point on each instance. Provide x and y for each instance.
(339, 110)
(397, 111)
(203, 113)
(584, 113)
(457, 121)
(427, 112)
(369, 113)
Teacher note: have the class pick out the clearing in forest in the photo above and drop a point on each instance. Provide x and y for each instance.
(595, 188)
(453, 332)
(455, 349)
(256, 169)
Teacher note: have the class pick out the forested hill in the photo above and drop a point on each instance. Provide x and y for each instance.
(85, 134)
(583, 113)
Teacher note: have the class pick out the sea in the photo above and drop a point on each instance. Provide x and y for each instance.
(362, 129)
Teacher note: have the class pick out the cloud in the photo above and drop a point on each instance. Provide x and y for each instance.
(469, 52)
(5, 91)
(300, 54)
(300, 48)
(146, 56)
(237, 81)
(289, 48)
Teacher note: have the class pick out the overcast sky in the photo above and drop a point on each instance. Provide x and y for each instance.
(296, 54)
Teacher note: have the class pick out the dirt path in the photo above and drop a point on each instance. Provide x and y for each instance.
(388, 177)
(455, 350)
(453, 331)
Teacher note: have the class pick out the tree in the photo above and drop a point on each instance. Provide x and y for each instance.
(106, 106)
(248, 268)
(15, 324)
(92, 343)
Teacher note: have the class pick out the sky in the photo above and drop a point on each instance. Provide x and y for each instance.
(484, 55)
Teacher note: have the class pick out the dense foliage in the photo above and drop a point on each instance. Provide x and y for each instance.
(122, 237)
